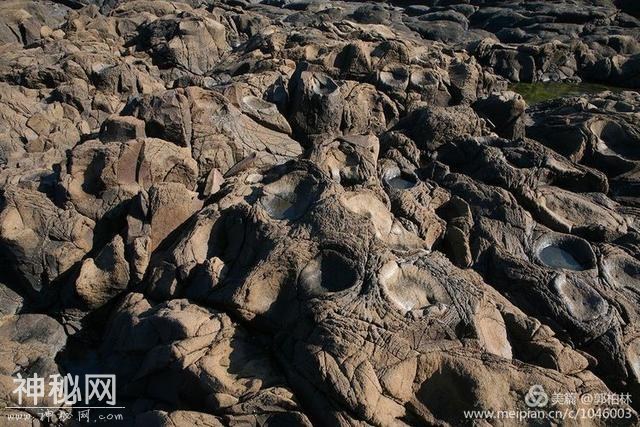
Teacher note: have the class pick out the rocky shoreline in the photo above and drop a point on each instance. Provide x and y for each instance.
(320, 213)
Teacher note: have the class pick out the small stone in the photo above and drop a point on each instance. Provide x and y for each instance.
(46, 31)
(58, 34)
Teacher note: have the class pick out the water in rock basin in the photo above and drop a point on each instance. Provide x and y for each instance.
(280, 207)
(556, 257)
(400, 183)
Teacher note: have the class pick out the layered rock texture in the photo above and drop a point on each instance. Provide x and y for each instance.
(297, 213)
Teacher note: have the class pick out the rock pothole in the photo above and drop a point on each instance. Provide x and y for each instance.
(289, 197)
(565, 252)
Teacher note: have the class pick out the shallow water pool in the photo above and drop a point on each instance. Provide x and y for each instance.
(556, 257)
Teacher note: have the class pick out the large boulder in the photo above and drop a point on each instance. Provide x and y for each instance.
(39, 240)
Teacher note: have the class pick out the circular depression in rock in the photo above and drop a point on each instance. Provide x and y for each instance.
(565, 252)
(408, 289)
(400, 181)
(289, 197)
(323, 85)
(616, 139)
(582, 301)
(395, 77)
(422, 78)
(329, 272)
(622, 271)
(253, 103)
(371, 208)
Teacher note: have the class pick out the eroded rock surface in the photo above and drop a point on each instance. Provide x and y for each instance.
(320, 213)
